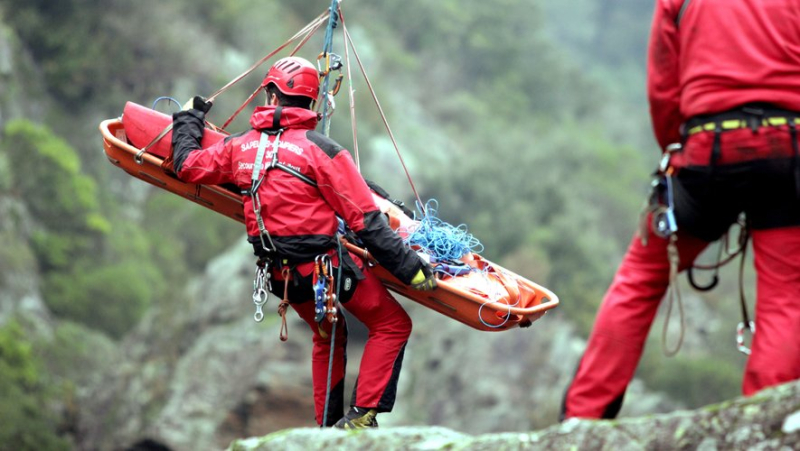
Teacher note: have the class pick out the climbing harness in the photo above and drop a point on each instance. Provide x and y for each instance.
(257, 179)
(260, 295)
(661, 207)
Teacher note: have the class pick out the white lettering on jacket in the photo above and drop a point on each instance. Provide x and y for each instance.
(283, 145)
(249, 145)
(249, 166)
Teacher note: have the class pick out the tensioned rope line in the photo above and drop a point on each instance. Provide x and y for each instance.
(326, 50)
(380, 110)
(351, 96)
(308, 31)
(310, 26)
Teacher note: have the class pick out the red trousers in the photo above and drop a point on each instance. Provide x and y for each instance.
(629, 307)
(389, 328)
(755, 173)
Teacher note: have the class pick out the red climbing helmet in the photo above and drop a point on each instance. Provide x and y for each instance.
(294, 76)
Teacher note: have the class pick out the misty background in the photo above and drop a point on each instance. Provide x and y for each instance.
(527, 121)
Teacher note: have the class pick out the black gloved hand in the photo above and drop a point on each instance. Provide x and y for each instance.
(198, 103)
(424, 280)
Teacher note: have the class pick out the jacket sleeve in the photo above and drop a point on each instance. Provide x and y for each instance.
(663, 74)
(348, 194)
(191, 162)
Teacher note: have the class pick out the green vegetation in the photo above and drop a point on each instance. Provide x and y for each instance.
(525, 122)
(695, 381)
(71, 233)
(28, 423)
(47, 172)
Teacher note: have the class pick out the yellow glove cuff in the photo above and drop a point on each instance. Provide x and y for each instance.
(418, 278)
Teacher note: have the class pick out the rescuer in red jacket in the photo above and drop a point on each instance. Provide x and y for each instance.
(291, 206)
(724, 81)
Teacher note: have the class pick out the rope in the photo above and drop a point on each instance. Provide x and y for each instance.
(674, 294)
(333, 337)
(351, 95)
(287, 276)
(746, 322)
(505, 284)
(306, 32)
(440, 240)
(310, 26)
(171, 99)
(383, 116)
(327, 48)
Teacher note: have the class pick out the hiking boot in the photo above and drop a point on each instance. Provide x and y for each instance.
(358, 418)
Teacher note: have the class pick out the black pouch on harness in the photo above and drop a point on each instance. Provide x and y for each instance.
(385, 194)
(301, 288)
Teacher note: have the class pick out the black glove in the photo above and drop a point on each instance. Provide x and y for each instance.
(424, 280)
(198, 103)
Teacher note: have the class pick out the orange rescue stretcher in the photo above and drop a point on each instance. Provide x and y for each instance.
(489, 297)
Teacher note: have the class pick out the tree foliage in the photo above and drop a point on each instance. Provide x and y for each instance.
(28, 423)
(521, 119)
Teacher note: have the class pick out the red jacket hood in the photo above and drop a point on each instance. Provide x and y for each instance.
(290, 117)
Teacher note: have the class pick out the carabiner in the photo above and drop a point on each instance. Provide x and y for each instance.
(751, 326)
(260, 293)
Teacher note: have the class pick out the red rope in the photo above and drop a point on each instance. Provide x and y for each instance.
(383, 117)
(306, 32)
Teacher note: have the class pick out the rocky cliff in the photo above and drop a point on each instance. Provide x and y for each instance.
(198, 373)
(202, 373)
(767, 421)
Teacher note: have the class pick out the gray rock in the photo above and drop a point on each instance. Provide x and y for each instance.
(755, 422)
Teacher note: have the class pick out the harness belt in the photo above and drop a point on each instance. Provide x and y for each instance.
(748, 116)
(735, 124)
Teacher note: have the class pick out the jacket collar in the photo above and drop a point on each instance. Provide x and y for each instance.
(289, 117)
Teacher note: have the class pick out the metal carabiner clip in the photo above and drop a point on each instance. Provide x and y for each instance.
(751, 326)
(260, 294)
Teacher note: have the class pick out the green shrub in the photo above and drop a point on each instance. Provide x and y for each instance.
(695, 381)
(15, 254)
(47, 178)
(26, 422)
(187, 232)
(89, 275)
(110, 298)
(47, 175)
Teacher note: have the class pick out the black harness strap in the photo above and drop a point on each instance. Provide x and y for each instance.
(680, 12)
(276, 118)
(295, 173)
(796, 156)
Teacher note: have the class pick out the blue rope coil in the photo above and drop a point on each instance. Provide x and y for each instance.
(439, 240)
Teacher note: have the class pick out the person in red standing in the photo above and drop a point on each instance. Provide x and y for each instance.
(723, 83)
(297, 182)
